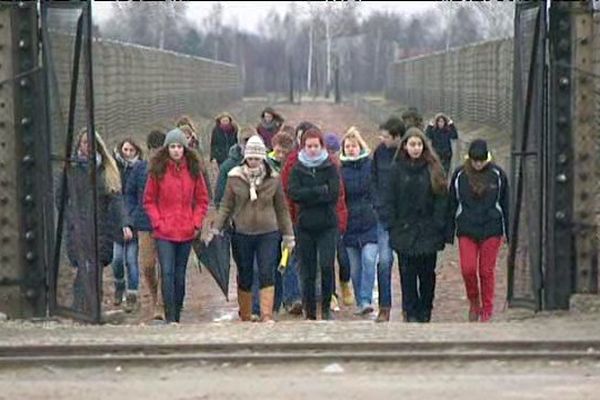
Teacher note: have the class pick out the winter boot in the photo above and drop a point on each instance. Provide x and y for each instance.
(384, 315)
(347, 295)
(245, 303)
(130, 302)
(266, 304)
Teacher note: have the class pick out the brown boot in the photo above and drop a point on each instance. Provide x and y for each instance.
(266, 304)
(474, 311)
(245, 303)
(384, 315)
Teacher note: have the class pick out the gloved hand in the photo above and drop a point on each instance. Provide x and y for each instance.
(288, 242)
(210, 236)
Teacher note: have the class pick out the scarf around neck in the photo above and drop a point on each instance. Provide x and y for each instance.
(363, 154)
(255, 177)
(313, 162)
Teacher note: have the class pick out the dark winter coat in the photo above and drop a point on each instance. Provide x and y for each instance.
(236, 156)
(267, 131)
(316, 192)
(111, 216)
(418, 215)
(134, 197)
(362, 220)
(222, 140)
(483, 217)
(125, 171)
(441, 139)
(176, 203)
(381, 172)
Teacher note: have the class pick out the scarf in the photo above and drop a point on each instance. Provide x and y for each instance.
(255, 177)
(313, 162)
(228, 129)
(126, 163)
(363, 154)
(270, 126)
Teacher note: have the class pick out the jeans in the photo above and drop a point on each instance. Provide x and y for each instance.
(316, 250)
(418, 284)
(343, 263)
(173, 258)
(362, 267)
(384, 267)
(125, 256)
(260, 248)
(287, 285)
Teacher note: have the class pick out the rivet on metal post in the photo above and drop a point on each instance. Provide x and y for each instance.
(562, 178)
(563, 81)
(562, 158)
(560, 215)
(25, 121)
(29, 236)
(30, 256)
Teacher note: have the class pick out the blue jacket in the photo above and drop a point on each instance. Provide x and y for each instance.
(134, 196)
(381, 173)
(362, 219)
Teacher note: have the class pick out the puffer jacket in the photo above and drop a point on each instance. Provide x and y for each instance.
(176, 204)
(221, 140)
(134, 197)
(441, 139)
(362, 220)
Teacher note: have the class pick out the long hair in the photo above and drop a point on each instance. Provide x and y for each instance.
(133, 143)
(439, 183)
(112, 177)
(184, 120)
(158, 163)
(477, 179)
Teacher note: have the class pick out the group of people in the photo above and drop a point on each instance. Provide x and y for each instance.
(321, 196)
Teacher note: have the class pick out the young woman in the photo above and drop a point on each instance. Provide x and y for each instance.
(125, 253)
(111, 217)
(134, 198)
(360, 239)
(270, 123)
(479, 218)
(441, 131)
(176, 200)
(314, 185)
(255, 200)
(224, 136)
(418, 203)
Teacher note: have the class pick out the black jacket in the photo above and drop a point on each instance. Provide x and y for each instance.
(381, 173)
(418, 215)
(441, 139)
(316, 192)
(479, 218)
(221, 142)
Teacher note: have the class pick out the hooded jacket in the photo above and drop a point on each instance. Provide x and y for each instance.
(221, 140)
(441, 139)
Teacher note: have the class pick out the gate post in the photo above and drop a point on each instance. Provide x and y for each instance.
(584, 149)
(22, 255)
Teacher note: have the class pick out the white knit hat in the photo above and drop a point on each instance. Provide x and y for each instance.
(255, 148)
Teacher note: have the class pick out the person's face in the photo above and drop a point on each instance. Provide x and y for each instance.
(332, 153)
(129, 152)
(176, 151)
(441, 123)
(313, 147)
(253, 162)
(268, 117)
(351, 148)
(84, 146)
(414, 147)
(478, 165)
(188, 135)
(280, 153)
(224, 121)
(387, 139)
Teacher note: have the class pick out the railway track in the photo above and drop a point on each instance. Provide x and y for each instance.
(242, 353)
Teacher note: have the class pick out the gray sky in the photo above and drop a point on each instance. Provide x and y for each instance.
(247, 14)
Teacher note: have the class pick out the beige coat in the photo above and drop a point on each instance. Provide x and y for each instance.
(268, 213)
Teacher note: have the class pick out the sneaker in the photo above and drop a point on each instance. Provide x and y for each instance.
(364, 310)
(130, 302)
(118, 297)
(334, 305)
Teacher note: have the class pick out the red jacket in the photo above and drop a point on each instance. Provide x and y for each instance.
(176, 204)
(341, 210)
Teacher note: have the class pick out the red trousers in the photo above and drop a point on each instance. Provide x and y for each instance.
(478, 265)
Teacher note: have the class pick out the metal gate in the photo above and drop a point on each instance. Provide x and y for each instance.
(75, 287)
(527, 157)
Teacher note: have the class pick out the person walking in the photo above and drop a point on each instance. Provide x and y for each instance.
(224, 136)
(441, 131)
(479, 197)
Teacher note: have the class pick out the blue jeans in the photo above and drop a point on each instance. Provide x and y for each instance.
(362, 269)
(173, 258)
(384, 267)
(125, 257)
(287, 286)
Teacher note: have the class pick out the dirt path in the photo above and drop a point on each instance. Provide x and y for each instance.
(204, 301)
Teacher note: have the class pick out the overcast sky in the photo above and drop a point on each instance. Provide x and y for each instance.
(248, 13)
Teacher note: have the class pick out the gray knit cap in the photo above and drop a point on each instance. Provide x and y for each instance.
(176, 136)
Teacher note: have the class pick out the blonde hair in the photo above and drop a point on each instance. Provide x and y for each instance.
(112, 177)
(353, 134)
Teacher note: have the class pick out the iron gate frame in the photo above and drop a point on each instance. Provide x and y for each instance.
(84, 29)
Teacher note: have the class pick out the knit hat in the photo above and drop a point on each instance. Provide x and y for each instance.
(255, 148)
(332, 141)
(478, 150)
(176, 136)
